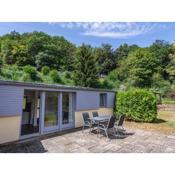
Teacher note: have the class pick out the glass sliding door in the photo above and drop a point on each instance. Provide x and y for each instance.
(57, 111)
(51, 111)
(67, 110)
(30, 115)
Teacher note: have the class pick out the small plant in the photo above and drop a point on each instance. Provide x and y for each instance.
(45, 70)
(55, 76)
(31, 73)
(137, 104)
(67, 75)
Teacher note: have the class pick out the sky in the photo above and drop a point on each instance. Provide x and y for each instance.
(97, 33)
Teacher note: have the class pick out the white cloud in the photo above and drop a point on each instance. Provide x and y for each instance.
(111, 29)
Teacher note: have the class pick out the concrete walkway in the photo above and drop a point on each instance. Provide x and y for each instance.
(136, 141)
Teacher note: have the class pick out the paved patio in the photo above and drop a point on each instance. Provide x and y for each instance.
(136, 141)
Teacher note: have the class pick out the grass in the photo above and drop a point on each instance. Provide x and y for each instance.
(165, 123)
(168, 116)
(168, 101)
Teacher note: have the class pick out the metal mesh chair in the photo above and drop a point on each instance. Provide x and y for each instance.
(119, 125)
(95, 114)
(108, 126)
(87, 121)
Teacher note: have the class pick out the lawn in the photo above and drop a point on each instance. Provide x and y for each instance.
(165, 123)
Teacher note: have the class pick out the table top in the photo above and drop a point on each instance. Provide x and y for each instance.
(101, 118)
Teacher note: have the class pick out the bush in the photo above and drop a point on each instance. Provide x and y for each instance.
(67, 75)
(1, 64)
(45, 70)
(31, 72)
(137, 104)
(55, 76)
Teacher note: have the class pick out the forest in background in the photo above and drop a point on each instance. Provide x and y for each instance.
(39, 57)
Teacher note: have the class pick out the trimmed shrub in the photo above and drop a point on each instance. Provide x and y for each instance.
(137, 104)
(45, 70)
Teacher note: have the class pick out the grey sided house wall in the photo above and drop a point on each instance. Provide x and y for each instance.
(82, 99)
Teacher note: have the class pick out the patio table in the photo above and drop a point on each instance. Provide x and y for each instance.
(100, 119)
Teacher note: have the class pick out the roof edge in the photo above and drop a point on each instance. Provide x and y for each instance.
(44, 85)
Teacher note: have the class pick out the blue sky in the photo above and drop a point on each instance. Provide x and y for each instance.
(96, 33)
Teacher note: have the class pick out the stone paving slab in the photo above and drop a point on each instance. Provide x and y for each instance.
(135, 141)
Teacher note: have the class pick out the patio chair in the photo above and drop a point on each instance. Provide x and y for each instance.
(87, 122)
(107, 126)
(95, 114)
(119, 125)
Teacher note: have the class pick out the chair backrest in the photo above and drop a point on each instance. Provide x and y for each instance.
(86, 116)
(111, 122)
(121, 120)
(95, 114)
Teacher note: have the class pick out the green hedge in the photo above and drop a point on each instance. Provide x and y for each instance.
(137, 104)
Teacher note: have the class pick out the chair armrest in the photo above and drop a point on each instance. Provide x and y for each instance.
(103, 124)
(88, 122)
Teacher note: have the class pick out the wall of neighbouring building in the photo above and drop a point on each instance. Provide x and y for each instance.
(9, 128)
(101, 112)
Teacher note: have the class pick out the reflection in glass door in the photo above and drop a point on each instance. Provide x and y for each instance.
(51, 111)
(67, 108)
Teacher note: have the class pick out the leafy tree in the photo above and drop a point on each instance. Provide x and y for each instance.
(13, 35)
(66, 53)
(13, 51)
(122, 52)
(36, 42)
(105, 58)
(7, 52)
(160, 84)
(170, 68)
(85, 67)
(21, 55)
(1, 64)
(160, 51)
(49, 57)
(141, 65)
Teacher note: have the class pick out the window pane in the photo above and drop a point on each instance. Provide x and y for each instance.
(24, 103)
(103, 98)
(67, 108)
(51, 109)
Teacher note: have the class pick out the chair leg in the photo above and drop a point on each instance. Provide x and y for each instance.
(83, 129)
(98, 132)
(114, 131)
(123, 128)
(106, 133)
(90, 129)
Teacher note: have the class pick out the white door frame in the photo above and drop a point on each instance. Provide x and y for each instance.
(59, 126)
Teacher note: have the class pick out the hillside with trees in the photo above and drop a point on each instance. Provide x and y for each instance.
(39, 57)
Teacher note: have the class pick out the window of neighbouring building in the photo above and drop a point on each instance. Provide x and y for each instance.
(103, 100)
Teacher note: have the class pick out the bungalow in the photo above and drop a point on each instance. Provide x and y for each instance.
(33, 109)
